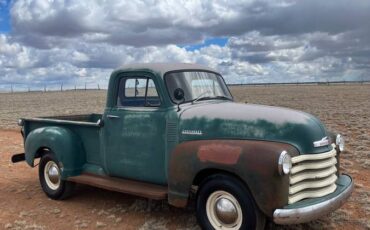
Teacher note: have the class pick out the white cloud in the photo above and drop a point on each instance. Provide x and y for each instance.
(81, 72)
(83, 41)
(79, 56)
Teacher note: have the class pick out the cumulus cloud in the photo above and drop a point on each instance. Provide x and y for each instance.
(268, 41)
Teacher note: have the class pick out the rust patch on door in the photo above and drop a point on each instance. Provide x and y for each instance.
(219, 153)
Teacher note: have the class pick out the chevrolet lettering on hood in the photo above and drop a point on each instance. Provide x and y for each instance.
(192, 132)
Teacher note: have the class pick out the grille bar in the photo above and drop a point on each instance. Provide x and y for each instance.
(314, 165)
(312, 194)
(310, 157)
(313, 184)
(313, 175)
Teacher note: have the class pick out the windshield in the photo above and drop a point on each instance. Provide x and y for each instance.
(197, 85)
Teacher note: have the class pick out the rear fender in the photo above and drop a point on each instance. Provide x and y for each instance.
(64, 143)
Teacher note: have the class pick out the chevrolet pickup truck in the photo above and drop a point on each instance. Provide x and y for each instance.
(173, 132)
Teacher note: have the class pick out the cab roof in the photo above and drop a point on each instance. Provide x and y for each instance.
(163, 68)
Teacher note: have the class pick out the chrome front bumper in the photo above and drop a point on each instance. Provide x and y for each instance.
(305, 213)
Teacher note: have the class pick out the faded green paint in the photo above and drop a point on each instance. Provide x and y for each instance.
(65, 144)
(135, 141)
(135, 144)
(230, 120)
(74, 145)
(148, 144)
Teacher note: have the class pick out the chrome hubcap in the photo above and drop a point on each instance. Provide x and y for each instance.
(224, 211)
(52, 175)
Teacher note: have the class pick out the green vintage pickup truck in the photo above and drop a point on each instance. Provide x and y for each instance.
(173, 132)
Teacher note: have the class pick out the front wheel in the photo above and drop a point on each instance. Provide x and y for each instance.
(50, 178)
(223, 202)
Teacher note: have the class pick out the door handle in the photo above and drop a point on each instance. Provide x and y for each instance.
(113, 117)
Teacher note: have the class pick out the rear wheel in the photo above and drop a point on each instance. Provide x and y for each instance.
(50, 178)
(223, 202)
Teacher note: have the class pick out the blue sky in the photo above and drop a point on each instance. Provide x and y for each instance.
(248, 41)
(4, 17)
(207, 42)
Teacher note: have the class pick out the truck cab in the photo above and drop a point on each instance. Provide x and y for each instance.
(173, 132)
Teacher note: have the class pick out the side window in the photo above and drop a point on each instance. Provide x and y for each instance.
(135, 87)
(152, 91)
(137, 91)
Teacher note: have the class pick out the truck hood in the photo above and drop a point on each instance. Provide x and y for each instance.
(230, 120)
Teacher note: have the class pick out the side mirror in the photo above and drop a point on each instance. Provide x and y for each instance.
(179, 94)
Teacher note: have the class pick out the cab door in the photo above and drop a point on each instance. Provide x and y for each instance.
(134, 131)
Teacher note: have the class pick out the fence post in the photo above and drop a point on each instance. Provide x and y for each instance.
(11, 88)
(85, 85)
(98, 87)
(61, 87)
(44, 88)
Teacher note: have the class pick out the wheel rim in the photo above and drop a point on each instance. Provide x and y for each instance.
(224, 211)
(52, 175)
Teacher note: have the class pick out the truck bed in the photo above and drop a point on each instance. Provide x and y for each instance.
(92, 118)
(86, 126)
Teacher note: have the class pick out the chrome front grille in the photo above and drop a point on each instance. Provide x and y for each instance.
(312, 175)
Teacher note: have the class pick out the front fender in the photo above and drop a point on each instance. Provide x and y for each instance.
(64, 143)
(254, 162)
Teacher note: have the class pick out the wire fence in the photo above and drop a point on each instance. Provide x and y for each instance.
(14, 88)
(301, 83)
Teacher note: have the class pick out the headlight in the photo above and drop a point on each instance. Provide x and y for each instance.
(339, 141)
(285, 163)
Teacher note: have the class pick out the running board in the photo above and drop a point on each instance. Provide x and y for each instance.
(151, 191)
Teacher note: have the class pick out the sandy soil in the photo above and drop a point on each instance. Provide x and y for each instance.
(344, 109)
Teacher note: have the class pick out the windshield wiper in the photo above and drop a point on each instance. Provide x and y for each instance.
(222, 97)
(203, 98)
(199, 98)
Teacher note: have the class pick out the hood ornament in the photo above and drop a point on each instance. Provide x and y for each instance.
(323, 142)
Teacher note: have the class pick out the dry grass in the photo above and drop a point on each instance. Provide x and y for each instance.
(344, 109)
(33, 104)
